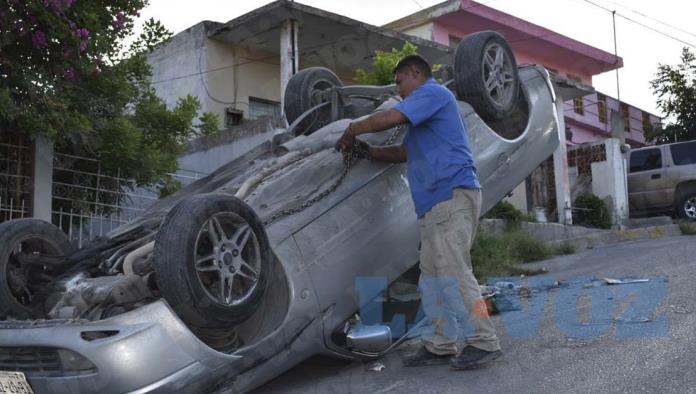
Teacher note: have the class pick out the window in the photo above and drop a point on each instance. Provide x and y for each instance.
(233, 117)
(578, 106)
(647, 126)
(259, 107)
(645, 160)
(627, 117)
(454, 41)
(551, 70)
(602, 107)
(684, 154)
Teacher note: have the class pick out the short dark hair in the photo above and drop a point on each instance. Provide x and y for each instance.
(414, 61)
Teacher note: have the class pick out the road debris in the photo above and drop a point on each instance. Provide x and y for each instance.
(376, 367)
(680, 309)
(611, 281)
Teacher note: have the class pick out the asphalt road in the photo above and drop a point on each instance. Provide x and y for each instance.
(590, 338)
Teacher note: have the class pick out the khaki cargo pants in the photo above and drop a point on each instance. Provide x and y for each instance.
(448, 286)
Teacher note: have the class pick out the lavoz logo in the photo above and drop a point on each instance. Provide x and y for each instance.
(583, 308)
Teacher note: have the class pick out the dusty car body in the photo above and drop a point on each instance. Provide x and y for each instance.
(366, 227)
(663, 179)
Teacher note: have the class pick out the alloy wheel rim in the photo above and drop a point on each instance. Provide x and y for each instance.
(690, 208)
(227, 259)
(498, 74)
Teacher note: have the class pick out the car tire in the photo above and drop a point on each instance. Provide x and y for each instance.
(212, 280)
(301, 95)
(485, 75)
(686, 206)
(17, 296)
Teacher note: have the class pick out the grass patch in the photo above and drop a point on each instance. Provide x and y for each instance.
(525, 248)
(687, 228)
(503, 255)
(565, 248)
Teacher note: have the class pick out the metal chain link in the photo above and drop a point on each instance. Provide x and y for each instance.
(349, 160)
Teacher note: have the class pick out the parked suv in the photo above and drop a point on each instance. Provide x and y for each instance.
(663, 178)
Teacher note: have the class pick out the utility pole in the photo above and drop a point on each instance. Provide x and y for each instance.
(616, 57)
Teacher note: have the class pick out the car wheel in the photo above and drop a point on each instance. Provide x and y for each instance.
(686, 208)
(21, 281)
(485, 75)
(303, 93)
(212, 260)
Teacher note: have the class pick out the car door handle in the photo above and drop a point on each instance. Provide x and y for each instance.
(655, 176)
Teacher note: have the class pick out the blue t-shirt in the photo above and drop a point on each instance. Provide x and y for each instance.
(439, 157)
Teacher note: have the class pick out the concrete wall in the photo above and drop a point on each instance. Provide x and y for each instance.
(237, 74)
(220, 74)
(519, 197)
(423, 31)
(209, 160)
(609, 181)
(177, 66)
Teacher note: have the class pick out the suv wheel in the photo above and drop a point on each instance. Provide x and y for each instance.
(686, 208)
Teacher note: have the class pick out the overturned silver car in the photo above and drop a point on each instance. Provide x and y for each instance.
(247, 272)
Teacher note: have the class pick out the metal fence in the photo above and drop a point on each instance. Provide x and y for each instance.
(88, 203)
(16, 159)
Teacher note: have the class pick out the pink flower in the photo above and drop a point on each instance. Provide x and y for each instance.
(120, 21)
(39, 39)
(82, 33)
(69, 73)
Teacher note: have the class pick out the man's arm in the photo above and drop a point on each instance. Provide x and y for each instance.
(374, 123)
(390, 153)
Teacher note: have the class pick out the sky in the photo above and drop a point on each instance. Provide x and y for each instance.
(642, 49)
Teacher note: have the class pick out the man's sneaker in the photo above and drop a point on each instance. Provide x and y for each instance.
(424, 357)
(473, 357)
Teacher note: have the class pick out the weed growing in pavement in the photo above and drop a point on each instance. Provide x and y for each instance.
(565, 248)
(687, 228)
(502, 255)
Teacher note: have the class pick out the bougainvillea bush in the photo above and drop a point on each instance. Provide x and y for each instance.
(66, 73)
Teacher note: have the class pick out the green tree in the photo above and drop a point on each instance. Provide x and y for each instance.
(383, 66)
(675, 88)
(66, 73)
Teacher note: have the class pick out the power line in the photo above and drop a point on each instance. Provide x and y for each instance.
(641, 24)
(418, 4)
(654, 19)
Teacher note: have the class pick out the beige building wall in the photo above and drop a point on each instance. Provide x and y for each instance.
(519, 197)
(237, 73)
(220, 74)
(423, 31)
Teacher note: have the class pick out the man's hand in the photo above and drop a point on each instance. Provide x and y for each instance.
(346, 141)
(363, 149)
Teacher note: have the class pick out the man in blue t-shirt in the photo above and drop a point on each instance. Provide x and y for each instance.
(447, 197)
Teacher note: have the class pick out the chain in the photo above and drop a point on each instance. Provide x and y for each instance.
(350, 158)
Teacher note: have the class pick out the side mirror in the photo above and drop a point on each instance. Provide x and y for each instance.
(369, 339)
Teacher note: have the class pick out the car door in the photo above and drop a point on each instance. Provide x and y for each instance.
(647, 184)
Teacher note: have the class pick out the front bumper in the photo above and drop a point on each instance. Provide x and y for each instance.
(149, 350)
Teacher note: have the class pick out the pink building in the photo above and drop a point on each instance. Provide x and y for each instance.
(572, 63)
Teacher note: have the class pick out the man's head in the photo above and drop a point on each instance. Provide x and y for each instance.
(410, 73)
